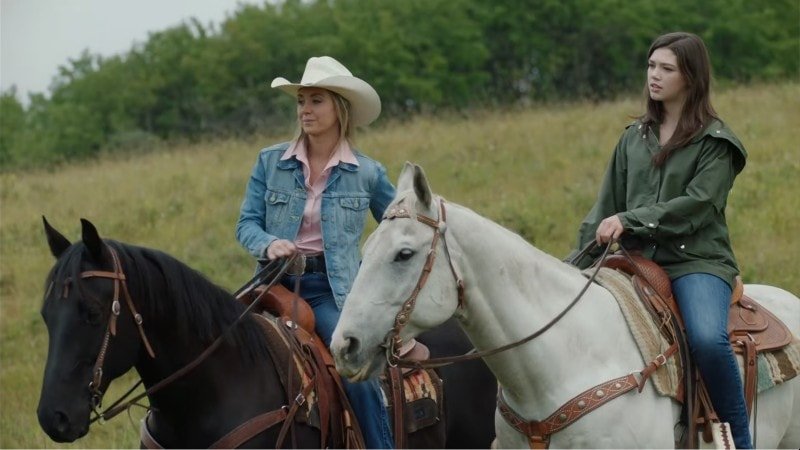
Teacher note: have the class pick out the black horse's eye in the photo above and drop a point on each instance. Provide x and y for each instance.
(404, 254)
(92, 314)
(95, 316)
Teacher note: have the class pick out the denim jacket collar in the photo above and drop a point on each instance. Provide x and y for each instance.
(294, 164)
(288, 164)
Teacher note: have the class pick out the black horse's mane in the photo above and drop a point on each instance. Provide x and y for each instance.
(170, 294)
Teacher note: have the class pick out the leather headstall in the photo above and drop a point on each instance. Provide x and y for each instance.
(239, 435)
(120, 285)
(393, 342)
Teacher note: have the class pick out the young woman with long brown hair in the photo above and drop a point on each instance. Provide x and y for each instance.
(665, 193)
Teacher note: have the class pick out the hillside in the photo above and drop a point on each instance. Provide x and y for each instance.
(535, 170)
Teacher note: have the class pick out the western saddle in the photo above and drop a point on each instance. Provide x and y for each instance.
(334, 414)
(752, 329)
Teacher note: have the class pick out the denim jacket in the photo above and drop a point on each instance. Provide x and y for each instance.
(276, 196)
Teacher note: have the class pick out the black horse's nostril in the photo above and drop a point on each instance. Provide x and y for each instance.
(61, 422)
(351, 347)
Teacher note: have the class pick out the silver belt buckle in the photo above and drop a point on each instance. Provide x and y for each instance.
(298, 267)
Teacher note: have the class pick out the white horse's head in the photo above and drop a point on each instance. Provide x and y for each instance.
(391, 279)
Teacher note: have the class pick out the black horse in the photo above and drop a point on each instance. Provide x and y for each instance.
(158, 317)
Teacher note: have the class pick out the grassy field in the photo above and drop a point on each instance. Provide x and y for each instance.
(535, 170)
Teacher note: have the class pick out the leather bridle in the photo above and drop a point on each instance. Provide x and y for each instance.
(268, 276)
(272, 271)
(393, 341)
(120, 285)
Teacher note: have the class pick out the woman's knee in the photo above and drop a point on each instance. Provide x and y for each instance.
(709, 343)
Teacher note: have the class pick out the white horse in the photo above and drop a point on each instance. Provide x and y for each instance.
(510, 290)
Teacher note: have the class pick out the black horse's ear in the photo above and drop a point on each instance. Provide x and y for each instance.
(57, 242)
(91, 239)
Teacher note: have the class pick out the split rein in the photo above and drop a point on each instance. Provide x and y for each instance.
(393, 341)
(273, 271)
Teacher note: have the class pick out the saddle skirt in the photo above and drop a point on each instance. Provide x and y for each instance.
(293, 370)
(289, 321)
(422, 398)
(305, 366)
(775, 351)
(747, 319)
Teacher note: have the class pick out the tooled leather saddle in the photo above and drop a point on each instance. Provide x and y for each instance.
(306, 368)
(334, 414)
(752, 328)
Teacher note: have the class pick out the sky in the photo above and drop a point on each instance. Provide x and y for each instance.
(37, 36)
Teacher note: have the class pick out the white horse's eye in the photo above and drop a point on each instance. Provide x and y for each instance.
(404, 254)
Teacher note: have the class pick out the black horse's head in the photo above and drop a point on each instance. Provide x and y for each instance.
(84, 338)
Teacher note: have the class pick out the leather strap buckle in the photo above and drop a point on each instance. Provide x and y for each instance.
(298, 267)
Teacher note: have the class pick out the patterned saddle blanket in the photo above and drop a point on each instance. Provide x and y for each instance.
(774, 366)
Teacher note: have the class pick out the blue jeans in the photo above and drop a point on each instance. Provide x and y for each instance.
(704, 301)
(365, 397)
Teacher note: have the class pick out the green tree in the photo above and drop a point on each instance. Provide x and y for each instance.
(12, 121)
(192, 80)
(418, 54)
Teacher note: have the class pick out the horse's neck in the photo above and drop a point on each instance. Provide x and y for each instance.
(180, 333)
(223, 388)
(514, 289)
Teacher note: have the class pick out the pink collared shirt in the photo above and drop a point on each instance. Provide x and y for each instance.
(309, 238)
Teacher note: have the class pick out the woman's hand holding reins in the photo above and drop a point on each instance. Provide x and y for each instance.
(610, 229)
(281, 248)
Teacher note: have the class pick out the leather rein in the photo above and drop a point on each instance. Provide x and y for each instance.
(236, 437)
(393, 341)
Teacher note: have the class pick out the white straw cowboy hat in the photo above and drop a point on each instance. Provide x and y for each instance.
(328, 73)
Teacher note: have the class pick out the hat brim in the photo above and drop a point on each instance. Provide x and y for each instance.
(365, 104)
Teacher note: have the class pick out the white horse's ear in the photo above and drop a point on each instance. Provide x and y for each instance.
(406, 180)
(421, 187)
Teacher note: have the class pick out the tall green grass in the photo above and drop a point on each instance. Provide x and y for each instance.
(535, 170)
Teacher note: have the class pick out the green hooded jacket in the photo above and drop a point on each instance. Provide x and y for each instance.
(675, 213)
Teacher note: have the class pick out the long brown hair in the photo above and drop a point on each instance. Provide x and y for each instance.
(697, 113)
